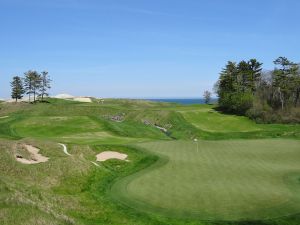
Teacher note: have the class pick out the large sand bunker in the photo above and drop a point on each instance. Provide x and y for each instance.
(103, 156)
(35, 157)
(70, 97)
(82, 99)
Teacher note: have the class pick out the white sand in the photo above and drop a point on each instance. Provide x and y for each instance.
(103, 156)
(35, 156)
(83, 99)
(64, 149)
(64, 96)
(162, 129)
(71, 97)
(95, 163)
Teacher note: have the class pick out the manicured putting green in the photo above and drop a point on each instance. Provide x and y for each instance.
(221, 180)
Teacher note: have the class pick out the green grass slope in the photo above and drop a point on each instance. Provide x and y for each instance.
(212, 121)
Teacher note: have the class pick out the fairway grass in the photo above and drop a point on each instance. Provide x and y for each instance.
(41, 126)
(221, 180)
(212, 121)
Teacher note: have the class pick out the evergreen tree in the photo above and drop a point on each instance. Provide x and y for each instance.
(32, 83)
(296, 85)
(17, 88)
(237, 84)
(45, 84)
(284, 78)
(255, 74)
(269, 96)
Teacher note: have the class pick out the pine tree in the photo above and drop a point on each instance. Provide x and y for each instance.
(32, 83)
(284, 79)
(17, 88)
(237, 84)
(45, 84)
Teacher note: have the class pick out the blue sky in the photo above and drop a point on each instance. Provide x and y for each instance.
(141, 48)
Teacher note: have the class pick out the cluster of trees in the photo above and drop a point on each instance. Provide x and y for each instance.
(267, 96)
(33, 83)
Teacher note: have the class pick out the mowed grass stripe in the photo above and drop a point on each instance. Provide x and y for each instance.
(224, 180)
(212, 121)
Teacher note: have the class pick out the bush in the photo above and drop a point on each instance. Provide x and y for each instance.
(237, 103)
(268, 115)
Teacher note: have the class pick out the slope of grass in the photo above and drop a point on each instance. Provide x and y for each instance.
(212, 121)
(66, 189)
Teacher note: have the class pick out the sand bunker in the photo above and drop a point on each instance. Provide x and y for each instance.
(73, 98)
(64, 96)
(82, 99)
(35, 157)
(103, 156)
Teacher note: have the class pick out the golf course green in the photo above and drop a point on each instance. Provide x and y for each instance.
(224, 180)
(185, 164)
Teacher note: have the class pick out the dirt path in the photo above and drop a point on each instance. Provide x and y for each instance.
(65, 149)
(95, 164)
(35, 157)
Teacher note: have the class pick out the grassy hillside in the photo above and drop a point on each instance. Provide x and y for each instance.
(220, 182)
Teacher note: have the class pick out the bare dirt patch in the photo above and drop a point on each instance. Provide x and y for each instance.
(33, 156)
(103, 156)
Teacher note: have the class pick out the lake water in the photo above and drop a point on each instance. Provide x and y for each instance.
(185, 101)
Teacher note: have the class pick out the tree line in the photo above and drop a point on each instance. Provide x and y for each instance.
(244, 88)
(34, 84)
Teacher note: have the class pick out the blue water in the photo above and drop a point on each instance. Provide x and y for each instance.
(184, 101)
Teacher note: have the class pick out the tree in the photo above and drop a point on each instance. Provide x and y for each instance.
(207, 97)
(237, 84)
(296, 84)
(32, 83)
(17, 88)
(285, 78)
(255, 73)
(266, 96)
(45, 84)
